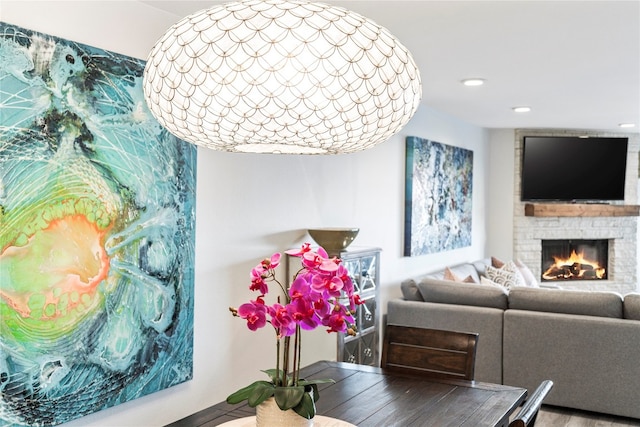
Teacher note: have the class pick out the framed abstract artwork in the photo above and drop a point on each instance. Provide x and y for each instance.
(97, 218)
(438, 197)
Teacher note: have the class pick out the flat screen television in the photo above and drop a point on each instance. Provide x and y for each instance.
(573, 169)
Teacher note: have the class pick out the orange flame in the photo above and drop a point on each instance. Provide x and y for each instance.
(574, 267)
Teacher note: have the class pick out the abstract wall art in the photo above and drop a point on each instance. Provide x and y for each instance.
(438, 202)
(97, 216)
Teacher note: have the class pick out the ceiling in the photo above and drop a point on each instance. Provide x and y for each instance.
(575, 63)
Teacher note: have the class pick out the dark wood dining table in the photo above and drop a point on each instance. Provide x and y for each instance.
(370, 396)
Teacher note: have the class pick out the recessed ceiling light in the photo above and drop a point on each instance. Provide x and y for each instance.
(627, 125)
(473, 82)
(522, 109)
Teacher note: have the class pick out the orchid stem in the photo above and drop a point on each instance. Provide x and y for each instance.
(298, 350)
(285, 367)
(277, 356)
(296, 344)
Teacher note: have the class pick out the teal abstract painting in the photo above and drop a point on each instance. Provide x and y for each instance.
(438, 197)
(97, 218)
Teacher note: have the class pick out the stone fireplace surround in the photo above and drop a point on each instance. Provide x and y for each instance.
(622, 232)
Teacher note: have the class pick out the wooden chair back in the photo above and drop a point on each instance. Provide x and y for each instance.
(526, 416)
(430, 352)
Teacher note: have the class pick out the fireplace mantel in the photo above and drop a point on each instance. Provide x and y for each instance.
(579, 210)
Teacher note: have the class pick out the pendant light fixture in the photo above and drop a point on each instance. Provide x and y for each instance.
(281, 76)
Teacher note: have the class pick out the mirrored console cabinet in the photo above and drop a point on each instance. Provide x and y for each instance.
(363, 265)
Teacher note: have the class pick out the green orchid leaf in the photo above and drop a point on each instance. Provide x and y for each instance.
(319, 381)
(288, 397)
(260, 393)
(307, 407)
(316, 393)
(244, 393)
(275, 378)
(273, 374)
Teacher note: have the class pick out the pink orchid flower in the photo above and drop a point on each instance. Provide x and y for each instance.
(306, 247)
(282, 320)
(319, 261)
(255, 314)
(300, 287)
(330, 285)
(343, 274)
(273, 262)
(302, 312)
(321, 306)
(257, 280)
(338, 319)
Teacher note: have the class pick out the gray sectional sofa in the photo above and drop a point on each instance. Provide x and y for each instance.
(587, 342)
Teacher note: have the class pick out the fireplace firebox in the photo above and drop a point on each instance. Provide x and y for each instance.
(575, 259)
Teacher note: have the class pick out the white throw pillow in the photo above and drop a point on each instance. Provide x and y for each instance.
(527, 274)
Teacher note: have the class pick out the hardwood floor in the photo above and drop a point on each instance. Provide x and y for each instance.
(552, 416)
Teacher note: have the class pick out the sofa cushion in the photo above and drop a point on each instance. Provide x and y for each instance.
(588, 303)
(410, 291)
(632, 306)
(446, 292)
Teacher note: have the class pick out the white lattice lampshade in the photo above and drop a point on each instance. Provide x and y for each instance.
(276, 76)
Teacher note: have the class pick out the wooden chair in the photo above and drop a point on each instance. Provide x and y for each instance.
(429, 352)
(528, 413)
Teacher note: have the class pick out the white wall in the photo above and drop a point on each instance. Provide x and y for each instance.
(249, 206)
(501, 181)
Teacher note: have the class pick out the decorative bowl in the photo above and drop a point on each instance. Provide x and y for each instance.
(333, 240)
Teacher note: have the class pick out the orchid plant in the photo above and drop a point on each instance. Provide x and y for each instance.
(321, 294)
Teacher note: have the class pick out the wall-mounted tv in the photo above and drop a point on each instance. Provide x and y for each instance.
(568, 168)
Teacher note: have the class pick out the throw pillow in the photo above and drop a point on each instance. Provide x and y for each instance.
(496, 263)
(410, 290)
(450, 275)
(527, 274)
(507, 276)
(485, 281)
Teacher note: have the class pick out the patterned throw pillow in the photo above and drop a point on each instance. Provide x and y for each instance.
(450, 275)
(527, 275)
(485, 281)
(507, 276)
